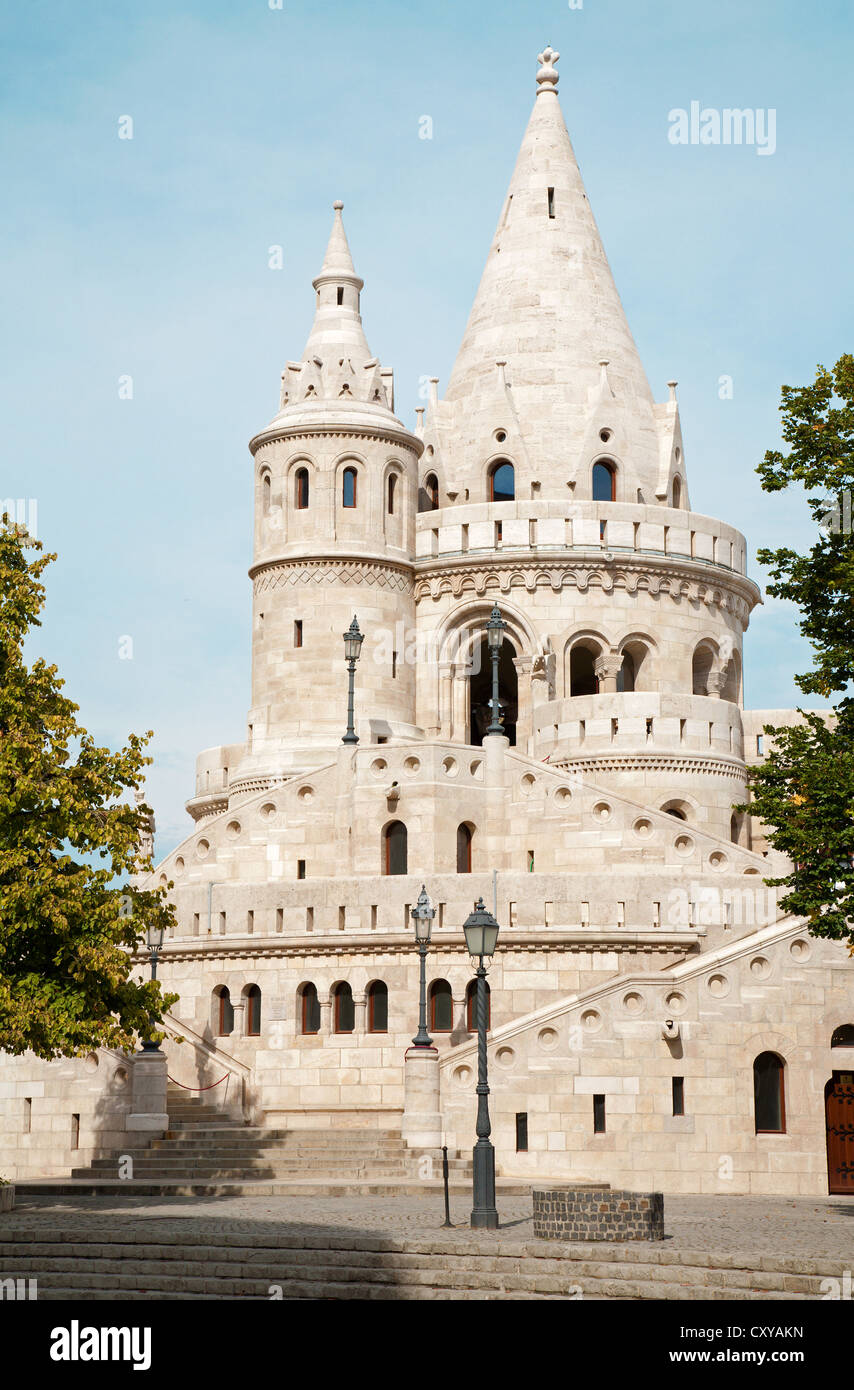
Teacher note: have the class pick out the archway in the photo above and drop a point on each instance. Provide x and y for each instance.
(480, 692)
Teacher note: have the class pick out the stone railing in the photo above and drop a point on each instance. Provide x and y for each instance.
(617, 527)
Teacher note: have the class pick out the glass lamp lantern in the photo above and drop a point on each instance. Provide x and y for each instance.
(353, 640)
(495, 629)
(422, 915)
(481, 932)
(154, 938)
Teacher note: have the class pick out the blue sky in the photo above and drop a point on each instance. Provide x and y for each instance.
(148, 257)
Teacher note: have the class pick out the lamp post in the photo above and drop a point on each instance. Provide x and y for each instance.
(422, 915)
(481, 933)
(154, 941)
(495, 630)
(353, 640)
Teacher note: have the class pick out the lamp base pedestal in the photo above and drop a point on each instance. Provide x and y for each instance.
(484, 1215)
(422, 1117)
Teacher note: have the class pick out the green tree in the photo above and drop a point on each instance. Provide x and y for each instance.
(70, 912)
(804, 790)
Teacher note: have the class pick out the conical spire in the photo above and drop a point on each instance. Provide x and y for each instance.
(337, 329)
(547, 303)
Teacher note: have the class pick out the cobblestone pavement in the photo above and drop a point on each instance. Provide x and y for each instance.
(792, 1226)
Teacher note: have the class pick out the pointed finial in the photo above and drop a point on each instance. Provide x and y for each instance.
(338, 206)
(547, 74)
(672, 388)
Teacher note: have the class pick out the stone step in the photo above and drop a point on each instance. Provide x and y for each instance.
(262, 1187)
(346, 1265)
(246, 1171)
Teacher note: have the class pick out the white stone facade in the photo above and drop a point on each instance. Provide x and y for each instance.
(639, 944)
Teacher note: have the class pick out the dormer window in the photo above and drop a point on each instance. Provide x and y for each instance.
(502, 482)
(604, 481)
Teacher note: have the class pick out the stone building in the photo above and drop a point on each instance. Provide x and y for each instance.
(654, 1020)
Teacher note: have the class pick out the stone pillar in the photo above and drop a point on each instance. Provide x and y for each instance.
(422, 1118)
(460, 716)
(148, 1093)
(325, 1013)
(360, 1013)
(446, 688)
(239, 1010)
(524, 703)
(607, 669)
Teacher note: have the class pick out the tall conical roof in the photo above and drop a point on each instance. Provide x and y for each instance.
(547, 302)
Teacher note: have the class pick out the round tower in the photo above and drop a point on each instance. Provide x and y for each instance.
(335, 501)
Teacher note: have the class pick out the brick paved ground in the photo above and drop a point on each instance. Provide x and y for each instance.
(801, 1226)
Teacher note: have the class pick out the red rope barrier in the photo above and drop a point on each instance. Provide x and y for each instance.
(196, 1088)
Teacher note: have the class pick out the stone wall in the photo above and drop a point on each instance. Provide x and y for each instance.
(599, 1213)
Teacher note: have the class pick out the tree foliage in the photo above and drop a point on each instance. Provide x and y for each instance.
(804, 790)
(70, 912)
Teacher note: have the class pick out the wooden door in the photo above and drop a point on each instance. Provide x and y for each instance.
(839, 1114)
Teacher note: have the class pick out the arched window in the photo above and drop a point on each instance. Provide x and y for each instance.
(843, 1036)
(701, 669)
(471, 1006)
(266, 492)
(675, 811)
(604, 482)
(441, 1007)
(502, 482)
(301, 489)
(395, 847)
(734, 826)
(626, 673)
(464, 838)
(349, 487)
(677, 491)
(582, 673)
(309, 1011)
(223, 1011)
(392, 485)
(378, 1007)
(343, 1012)
(252, 1007)
(428, 496)
(769, 1101)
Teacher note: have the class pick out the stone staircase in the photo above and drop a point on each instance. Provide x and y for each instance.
(124, 1261)
(208, 1153)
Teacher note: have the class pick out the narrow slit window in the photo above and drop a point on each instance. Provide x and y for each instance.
(300, 868)
(598, 1114)
(522, 1132)
(340, 294)
(551, 197)
(298, 632)
(678, 1095)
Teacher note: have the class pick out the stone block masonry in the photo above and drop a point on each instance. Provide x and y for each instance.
(599, 1213)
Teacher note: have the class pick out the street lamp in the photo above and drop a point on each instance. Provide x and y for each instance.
(481, 933)
(353, 640)
(154, 941)
(422, 915)
(495, 630)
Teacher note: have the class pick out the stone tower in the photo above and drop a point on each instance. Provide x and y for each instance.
(335, 480)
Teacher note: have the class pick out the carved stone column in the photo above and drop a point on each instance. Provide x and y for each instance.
(524, 703)
(607, 669)
(446, 697)
(325, 1014)
(360, 1012)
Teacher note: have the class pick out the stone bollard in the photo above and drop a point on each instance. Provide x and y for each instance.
(148, 1093)
(422, 1119)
